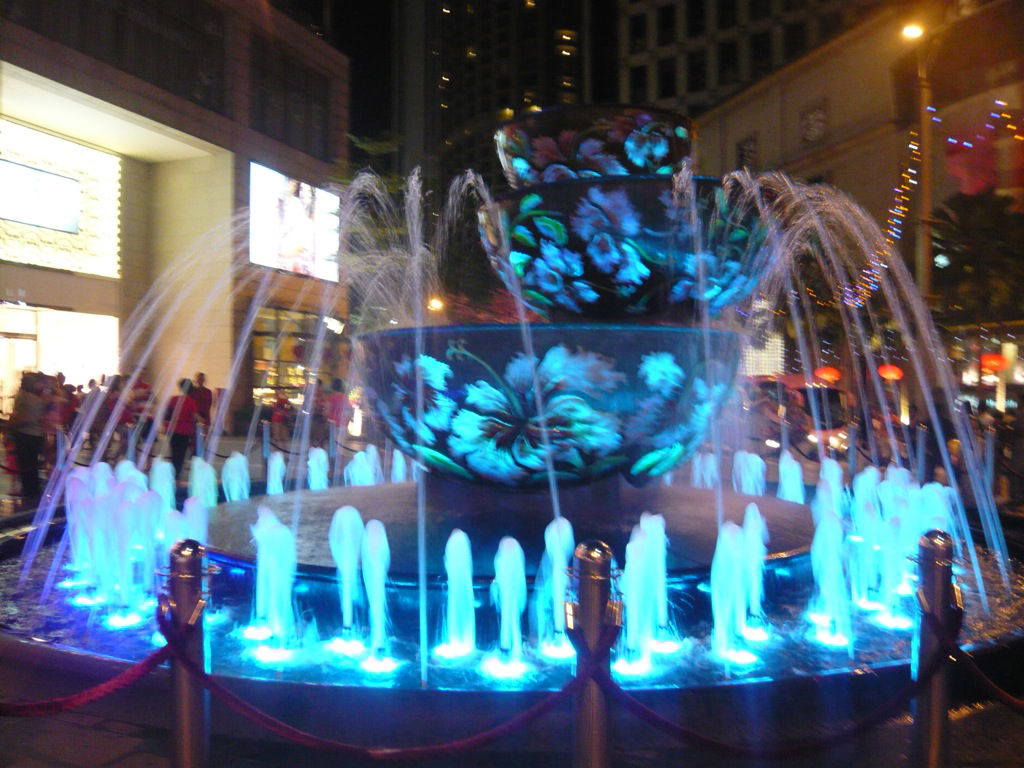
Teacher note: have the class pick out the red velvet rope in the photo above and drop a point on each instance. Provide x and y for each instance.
(789, 749)
(123, 679)
(585, 670)
(958, 653)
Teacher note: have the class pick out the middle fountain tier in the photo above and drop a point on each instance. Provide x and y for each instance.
(634, 400)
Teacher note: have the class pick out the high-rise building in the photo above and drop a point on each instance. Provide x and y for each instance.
(463, 67)
(689, 55)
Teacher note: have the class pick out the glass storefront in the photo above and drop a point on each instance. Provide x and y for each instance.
(81, 346)
(282, 351)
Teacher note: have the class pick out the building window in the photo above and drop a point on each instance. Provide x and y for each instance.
(696, 18)
(728, 62)
(696, 70)
(638, 84)
(726, 14)
(794, 40)
(760, 9)
(760, 53)
(177, 46)
(814, 123)
(829, 24)
(289, 100)
(746, 152)
(666, 78)
(666, 24)
(637, 33)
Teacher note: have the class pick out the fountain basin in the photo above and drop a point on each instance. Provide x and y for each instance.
(630, 400)
(620, 247)
(568, 142)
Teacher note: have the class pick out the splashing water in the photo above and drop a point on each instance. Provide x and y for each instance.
(791, 478)
(552, 584)
(275, 473)
(202, 482)
(508, 595)
(234, 477)
(376, 560)
(345, 538)
(748, 473)
(317, 468)
(459, 637)
(275, 577)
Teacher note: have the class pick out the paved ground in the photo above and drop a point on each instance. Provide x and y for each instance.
(984, 736)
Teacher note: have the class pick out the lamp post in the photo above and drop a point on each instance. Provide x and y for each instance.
(923, 258)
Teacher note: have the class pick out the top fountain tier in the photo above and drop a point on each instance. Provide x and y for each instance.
(585, 141)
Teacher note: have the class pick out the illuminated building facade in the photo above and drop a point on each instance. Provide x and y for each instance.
(132, 131)
(689, 55)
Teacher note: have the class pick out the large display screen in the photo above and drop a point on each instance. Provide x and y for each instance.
(293, 225)
(39, 198)
(59, 202)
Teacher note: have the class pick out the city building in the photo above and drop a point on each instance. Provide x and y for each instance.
(462, 67)
(134, 133)
(846, 114)
(689, 55)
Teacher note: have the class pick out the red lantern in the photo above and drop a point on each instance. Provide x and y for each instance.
(828, 373)
(890, 372)
(993, 363)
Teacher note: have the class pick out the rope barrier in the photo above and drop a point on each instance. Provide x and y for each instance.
(959, 654)
(275, 446)
(790, 749)
(448, 749)
(796, 448)
(55, 706)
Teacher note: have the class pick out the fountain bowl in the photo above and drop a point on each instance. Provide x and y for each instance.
(597, 140)
(618, 399)
(614, 248)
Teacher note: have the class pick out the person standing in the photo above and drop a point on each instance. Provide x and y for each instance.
(29, 435)
(203, 397)
(180, 425)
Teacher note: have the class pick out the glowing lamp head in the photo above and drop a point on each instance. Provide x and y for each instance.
(828, 373)
(435, 304)
(912, 31)
(890, 372)
(993, 363)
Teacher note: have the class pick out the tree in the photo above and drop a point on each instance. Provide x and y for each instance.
(979, 258)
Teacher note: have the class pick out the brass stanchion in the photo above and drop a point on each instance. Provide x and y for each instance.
(588, 616)
(191, 700)
(938, 595)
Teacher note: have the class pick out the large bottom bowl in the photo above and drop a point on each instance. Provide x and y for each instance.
(596, 399)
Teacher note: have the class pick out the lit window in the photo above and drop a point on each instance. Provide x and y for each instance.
(471, 53)
(443, 105)
(530, 3)
(565, 35)
(566, 50)
(568, 82)
(505, 113)
(445, 9)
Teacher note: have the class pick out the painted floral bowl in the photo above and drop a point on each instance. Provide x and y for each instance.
(561, 143)
(620, 247)
(635, 400)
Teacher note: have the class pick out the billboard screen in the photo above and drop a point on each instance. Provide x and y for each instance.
(293, 225)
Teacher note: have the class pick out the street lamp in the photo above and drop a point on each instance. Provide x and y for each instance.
(923, 256)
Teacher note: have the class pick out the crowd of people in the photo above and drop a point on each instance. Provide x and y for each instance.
(46, 405)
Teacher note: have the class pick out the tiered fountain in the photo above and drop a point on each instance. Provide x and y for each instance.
(651, 282)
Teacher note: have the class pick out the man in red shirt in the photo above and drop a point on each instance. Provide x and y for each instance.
(180, 424)
(203, 397)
